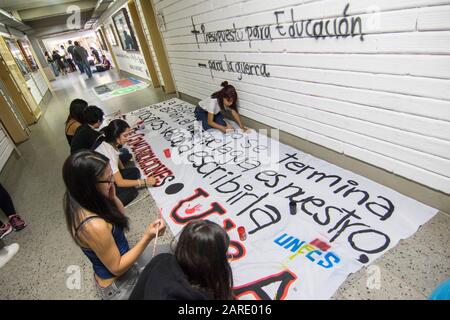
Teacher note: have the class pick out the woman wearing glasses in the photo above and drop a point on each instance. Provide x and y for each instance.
(96, 221)
(127, 179)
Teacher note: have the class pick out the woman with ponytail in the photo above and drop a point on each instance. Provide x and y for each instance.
(115, 134)
(208, 111)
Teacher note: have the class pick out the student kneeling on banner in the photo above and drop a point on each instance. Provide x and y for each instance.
(126, 179)
(209, 111)
(199, 270)
(96, 221)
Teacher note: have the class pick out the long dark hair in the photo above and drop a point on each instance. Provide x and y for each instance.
(113, 130)
(81, 172)
(201, 252)
(228, 92)
(76, 110)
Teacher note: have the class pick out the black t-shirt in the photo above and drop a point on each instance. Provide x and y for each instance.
(163, 279)
(70, 49)
(84, 138)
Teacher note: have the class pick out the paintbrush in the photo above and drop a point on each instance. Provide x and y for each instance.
(156, 237)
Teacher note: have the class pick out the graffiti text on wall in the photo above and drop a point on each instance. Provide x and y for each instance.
(341, 27)
(251, 69)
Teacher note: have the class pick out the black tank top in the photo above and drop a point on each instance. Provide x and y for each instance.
(69, 138)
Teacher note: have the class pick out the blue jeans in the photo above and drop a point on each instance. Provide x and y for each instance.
(202, 115)
(87, 68)
(54, 69)
(123, 286)
(80, 67)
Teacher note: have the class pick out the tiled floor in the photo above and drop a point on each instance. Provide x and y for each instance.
(48, 259)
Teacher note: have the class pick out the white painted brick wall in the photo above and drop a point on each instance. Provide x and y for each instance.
(6, 144)
(6, 148)
(149, 41)
(130, 61)
(384, 100)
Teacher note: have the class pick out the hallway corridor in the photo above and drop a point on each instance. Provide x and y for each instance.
(48, 259)
(35, 183)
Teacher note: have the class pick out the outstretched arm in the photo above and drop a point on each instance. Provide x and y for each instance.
(237, 117)
(216, 125)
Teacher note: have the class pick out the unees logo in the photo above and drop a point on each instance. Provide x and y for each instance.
(315, 251)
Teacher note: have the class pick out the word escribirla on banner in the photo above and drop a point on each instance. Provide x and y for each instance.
(341, 221)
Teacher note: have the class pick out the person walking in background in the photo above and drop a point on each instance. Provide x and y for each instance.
(68, 59)
(59, 62)
(15, 223)
(51, 63)
(81, 55)
(78, 63)
(63, 53)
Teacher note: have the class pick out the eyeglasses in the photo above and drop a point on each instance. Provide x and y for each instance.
(111, 180)
(105, 181)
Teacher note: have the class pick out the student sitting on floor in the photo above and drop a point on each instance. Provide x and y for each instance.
(126, 179)
(75, 118)
(209, 111)
(86, 135)
(96, 221)
(104, 66)
(15, 222)
(199, 270)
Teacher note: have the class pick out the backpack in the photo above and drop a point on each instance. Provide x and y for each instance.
(76, 55)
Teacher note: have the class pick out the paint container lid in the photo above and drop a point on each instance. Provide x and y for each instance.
(293, 208)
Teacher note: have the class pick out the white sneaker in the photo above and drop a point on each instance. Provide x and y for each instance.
(7, 253)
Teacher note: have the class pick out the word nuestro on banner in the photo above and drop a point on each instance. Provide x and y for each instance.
(308, 223)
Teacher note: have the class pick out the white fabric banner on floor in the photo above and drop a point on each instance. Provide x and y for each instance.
(308, 223)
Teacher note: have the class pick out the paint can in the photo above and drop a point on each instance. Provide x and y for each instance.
(242, 233)
(293, 208)
(167, 152)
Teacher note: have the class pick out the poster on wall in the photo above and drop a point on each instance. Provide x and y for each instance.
(101, 40)
(18, 57)
(111, 35)
(307, 224)
(125, 30)
(28, 55)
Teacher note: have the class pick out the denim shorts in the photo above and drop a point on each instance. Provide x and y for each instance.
(202, 115)
(123, 286)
